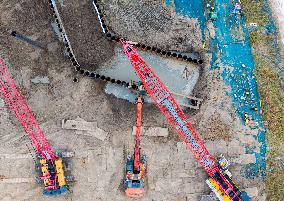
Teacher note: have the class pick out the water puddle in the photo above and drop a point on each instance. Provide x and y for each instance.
(179, 76)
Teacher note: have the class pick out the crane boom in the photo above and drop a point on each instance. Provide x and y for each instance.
(169, 107)
(19, 107)
(138, 132)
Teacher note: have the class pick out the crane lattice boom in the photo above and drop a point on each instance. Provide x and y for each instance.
(19, 107)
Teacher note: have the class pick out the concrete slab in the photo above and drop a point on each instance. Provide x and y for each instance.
(79, 124)
(40, 80)
(83, 127)
(152, 131)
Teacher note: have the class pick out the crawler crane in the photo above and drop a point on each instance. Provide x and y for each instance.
(50, 163)
(136, 164)
(219, 180)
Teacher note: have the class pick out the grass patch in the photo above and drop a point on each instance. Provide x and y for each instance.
(254, 11)
(269, 85)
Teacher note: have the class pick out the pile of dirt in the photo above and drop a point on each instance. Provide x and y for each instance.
(152, 23)
(89, 43)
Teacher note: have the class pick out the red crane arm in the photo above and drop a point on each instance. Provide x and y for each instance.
(20, 109)
(138, 133)
(168, 105)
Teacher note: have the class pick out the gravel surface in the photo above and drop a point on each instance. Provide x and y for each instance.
(152, 23)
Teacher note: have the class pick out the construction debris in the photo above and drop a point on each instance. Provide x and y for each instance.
(40, 79)
(83, 127)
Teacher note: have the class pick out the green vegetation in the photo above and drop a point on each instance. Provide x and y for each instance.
(270, 90)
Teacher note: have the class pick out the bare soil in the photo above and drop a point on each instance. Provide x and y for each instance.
(89, 43)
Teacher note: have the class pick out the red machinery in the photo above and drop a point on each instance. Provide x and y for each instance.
(168, 105)
(50, 164)
(136, 165)
(138, 133)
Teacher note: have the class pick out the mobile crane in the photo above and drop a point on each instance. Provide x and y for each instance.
(136, 165)
(50, 163)
(219, 180)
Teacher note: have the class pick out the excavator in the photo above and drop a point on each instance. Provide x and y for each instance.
(219, 178)
(50, 165)
(136, 164)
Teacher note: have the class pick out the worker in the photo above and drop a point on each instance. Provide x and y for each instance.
(204, 45)
(254, 108)
(213, 15)
(141, 90)
(131, 83)
(185, 73)
(246, 118)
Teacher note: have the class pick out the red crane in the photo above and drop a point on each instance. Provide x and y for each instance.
(136, 164)
(50, 164)
(167, 104)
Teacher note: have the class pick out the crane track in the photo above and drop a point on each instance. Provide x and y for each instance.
(113, 37)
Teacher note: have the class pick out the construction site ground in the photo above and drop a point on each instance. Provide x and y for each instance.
(98, 165)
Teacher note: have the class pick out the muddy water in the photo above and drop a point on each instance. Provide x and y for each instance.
(179, 76)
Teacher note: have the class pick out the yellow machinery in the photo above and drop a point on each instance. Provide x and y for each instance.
(52, 175)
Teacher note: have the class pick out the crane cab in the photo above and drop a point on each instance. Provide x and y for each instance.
(52, 176)
(134, 180)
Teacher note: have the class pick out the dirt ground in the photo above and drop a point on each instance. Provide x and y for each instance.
(173, 174)
(154, 24)
(85, 35)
